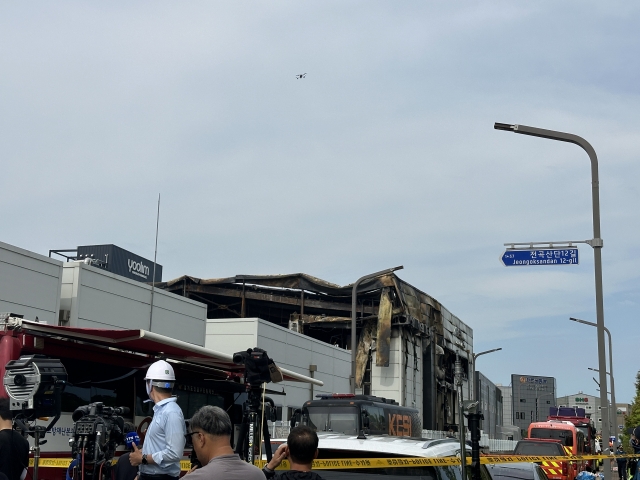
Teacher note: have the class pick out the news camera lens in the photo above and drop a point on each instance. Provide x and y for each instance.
(19, 380)
(238, 357)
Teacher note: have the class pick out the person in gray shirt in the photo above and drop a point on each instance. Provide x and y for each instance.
(210, 430)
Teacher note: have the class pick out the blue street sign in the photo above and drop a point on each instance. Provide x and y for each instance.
(543, 256)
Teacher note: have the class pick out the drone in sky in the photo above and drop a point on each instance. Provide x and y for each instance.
(302, 75)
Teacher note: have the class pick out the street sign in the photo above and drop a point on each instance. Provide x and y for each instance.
(541, 256)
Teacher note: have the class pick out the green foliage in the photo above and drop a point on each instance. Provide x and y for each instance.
(633, 417)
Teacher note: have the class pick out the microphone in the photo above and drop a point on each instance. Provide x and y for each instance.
(132, 439)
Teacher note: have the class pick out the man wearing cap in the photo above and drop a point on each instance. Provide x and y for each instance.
(164, 441)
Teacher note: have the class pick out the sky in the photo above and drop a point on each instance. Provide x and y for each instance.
(383, 155)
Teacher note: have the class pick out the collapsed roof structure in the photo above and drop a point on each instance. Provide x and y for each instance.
(407, 341)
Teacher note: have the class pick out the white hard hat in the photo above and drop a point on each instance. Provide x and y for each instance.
(160, 370)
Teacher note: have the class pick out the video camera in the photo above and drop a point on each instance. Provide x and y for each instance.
(259, 368)
(97, 432)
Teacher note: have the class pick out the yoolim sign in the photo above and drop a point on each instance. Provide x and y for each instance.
(121, 262)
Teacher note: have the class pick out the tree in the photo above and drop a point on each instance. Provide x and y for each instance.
(633, 417)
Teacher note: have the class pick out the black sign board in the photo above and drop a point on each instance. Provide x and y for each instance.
(121, 262)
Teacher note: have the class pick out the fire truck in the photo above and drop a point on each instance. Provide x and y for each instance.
(570, 439)
(582, 423)
(107, 367)
(359, 414)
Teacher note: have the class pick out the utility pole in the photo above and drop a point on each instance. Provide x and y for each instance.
(596, 244)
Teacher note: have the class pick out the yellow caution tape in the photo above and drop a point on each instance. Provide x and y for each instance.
(351, 463)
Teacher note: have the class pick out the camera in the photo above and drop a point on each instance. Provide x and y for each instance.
(259, 368)
(97, 432)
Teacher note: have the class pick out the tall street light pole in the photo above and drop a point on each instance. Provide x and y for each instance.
(354, 302)
(596, 244)
(613, 383)
(613, 412)
(541, 396)
(476, 355)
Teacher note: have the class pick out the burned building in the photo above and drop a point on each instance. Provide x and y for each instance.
(407, 341)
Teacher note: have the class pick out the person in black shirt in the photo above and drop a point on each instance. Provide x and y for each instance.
(301, 449)
(14, 448)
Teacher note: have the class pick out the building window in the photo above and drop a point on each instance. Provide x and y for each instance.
(523, 400)
(599, 420)
(562, 406)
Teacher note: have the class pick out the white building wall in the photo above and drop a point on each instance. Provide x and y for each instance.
(29, 284)
(290, 350)
(96, 298)
(402, 379)
(507, 405)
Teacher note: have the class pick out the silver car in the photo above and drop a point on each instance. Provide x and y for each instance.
(336, 446)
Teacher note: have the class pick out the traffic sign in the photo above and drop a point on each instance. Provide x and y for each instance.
(544, 256)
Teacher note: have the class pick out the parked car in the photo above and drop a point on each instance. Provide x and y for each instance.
(516, 471)
(338, 446)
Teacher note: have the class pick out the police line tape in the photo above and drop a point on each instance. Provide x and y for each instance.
(351, 463)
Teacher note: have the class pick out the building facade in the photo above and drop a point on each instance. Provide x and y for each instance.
(407, 343)
(531, 398)
(490, 398)
(593, 410)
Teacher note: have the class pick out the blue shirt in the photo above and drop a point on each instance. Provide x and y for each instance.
(164, 440)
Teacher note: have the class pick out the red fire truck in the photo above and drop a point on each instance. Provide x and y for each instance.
(582, 423)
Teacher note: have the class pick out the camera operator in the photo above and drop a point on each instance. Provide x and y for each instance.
(14, 448)
(164, 442)
(210, 431)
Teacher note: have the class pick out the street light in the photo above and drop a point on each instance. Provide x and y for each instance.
(610, 372)
(354, 300)
(596, 244)
(612, 416)
(543, 395)
(476, 355)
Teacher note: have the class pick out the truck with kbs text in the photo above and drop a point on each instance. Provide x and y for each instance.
(359, 414)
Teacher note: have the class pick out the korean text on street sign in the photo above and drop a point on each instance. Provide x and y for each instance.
(546, 256)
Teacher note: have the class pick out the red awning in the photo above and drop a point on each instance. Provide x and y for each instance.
(142, 341)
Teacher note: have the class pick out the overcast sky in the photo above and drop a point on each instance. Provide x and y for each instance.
(385, 154)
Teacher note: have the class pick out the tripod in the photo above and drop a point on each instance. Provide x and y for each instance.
(38, 431)
(248, 442)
